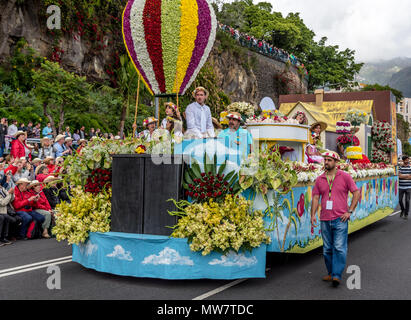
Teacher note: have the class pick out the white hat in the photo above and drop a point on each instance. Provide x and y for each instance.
(22, 180)
(33, 184)
(50, 179)
(68, 139)
(19, 133)
(59, 137)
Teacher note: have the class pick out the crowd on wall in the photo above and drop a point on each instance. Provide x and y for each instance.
(262, 46)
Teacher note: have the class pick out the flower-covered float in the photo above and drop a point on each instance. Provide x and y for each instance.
(230, 209)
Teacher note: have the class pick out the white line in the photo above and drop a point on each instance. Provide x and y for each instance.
(34, 264)
(220, 289)
(34, 268)
(395, 213)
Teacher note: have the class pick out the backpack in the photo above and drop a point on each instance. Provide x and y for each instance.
(33, 231)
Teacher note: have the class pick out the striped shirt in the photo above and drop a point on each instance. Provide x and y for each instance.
(405, 184)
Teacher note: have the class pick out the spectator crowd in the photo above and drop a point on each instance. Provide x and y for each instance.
(30, 182)
(262, 46)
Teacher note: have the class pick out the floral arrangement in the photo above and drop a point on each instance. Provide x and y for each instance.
(354, 153)
(169, 41)
(223, 118)
(356, 117)
(267, 171)
(381, 130)
(202, 186)
(141, 149)
(99, 180)
(383, 143)
(270, 117)
(343, 127)
(244, 108)
(220, 227)
(86, 213)
(348, 139)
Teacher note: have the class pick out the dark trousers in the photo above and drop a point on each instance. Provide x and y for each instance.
(27, 217)
(5, 221)
(405, 193)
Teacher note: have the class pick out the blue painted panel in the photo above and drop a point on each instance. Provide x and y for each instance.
(150, 256)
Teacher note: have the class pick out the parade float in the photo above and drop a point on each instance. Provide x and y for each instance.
(199, 208)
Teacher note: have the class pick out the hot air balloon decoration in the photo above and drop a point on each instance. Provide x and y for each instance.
(169, 41)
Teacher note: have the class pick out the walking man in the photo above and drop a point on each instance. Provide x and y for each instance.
(405, 186)
(333, 188)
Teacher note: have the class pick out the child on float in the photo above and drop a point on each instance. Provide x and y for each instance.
(301, 118)
(312, 153)
(173, 112)
(151, 124)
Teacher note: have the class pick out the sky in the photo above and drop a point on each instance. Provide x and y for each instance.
(375, 29)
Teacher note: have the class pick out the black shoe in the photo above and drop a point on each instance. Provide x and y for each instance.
(336, 282)
(401, 214)
(5, 242)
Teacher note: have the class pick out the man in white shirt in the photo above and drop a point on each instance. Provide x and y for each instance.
(198, 116)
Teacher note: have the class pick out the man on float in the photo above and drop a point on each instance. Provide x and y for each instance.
(236, 137)
(198, 116)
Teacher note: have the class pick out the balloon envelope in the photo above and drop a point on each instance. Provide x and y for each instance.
(169, 41)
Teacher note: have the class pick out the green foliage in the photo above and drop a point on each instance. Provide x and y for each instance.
(17, 73)
(377, 87)
(406, 149)
(324, 63)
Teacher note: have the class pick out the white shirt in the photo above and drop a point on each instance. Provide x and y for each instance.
(399, 148)
(199, 122)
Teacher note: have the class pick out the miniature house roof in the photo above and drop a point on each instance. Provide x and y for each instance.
(330, 112)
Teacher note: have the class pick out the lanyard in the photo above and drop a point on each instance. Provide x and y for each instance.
(330, 185)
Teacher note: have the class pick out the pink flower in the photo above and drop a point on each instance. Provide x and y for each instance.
(300, 205)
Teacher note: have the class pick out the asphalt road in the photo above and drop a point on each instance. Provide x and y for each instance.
(381, 251)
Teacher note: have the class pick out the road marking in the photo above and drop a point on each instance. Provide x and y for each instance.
(34, 264)
(395, 213)
(220, 289)
(34, 268)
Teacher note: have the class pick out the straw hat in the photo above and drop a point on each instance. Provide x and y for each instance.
(40, 168)
(33, 184)
(47, 160)
(81, 141)
(322, 124)
(22, 180)
(19, 133)
(44, 138)
(200, 89)
(59, 158)
(235, 115)
(331, 154)
(68, 139)
(50, 179)
(36, 160)
(59, 137)
(149, 120)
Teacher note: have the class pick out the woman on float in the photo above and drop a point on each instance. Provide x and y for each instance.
(171, 111)
(318, 128)
(301, 118)
(312, 153)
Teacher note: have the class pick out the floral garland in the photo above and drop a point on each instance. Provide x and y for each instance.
(169, 41)
(271, 117)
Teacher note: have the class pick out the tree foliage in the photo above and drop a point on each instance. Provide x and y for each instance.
(377, 87)
(325, 63)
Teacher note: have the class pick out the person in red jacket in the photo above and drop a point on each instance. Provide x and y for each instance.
(19, 149)
(41, 206)
(49, 161)
(23, 205)
(42, 172)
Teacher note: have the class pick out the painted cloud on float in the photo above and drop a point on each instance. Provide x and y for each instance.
(233, 259)
(120, 254)
(168, 257)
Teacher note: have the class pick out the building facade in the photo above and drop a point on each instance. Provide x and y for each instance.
(404, 109)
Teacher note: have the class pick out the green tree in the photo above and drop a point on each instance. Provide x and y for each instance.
(377, 87)
(60, 92)
(326, 64)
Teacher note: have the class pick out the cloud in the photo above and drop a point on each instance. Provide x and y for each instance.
(375, 29)
(120, 254)
(89, 248)
(233, 259)
(168, 257)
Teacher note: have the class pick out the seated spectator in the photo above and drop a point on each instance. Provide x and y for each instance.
(24, 170)
(68, 144)
(59, 147)
(6, 197)
(36, 162)
(41, 206)
(67, 133)
(51, 192)
(42, 172)
(82, 144)
(76, 135)
(22, 203)
(46, 149)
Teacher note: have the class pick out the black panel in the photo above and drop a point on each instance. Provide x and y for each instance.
(141, 188)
